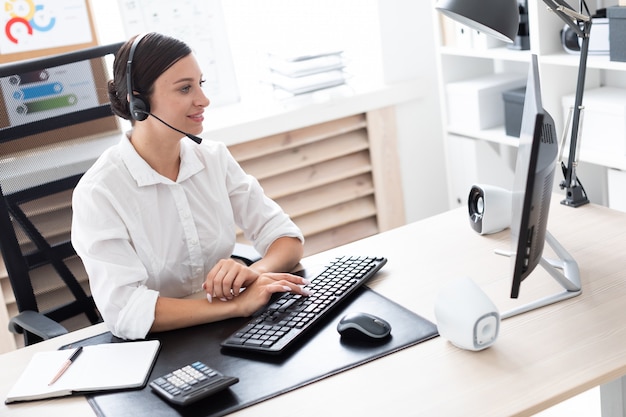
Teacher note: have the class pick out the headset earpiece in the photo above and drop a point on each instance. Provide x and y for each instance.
(139, 107)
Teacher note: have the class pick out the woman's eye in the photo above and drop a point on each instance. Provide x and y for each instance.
(202, 82)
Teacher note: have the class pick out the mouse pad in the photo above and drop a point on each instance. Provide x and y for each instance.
(261, 377)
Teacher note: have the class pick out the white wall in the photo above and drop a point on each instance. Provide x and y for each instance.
(382, 39)
(408, 51)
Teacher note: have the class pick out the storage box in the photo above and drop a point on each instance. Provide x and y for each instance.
(477, 103)
(513, 109)
(603, 119)
(617, 33)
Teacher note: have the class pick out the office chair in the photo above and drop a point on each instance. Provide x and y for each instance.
(38, 262)
(47, 277)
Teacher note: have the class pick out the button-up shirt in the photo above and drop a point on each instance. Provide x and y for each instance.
(141, 235)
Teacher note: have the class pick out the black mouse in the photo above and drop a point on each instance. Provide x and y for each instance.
(363, 326)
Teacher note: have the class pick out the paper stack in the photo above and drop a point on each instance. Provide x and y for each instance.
(304, 73)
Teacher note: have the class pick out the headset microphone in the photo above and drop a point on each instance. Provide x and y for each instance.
(195, 138)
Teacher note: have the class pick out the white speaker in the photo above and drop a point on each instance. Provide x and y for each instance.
(466, 316)
(489, 208)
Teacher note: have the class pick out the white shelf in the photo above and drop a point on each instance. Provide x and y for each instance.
(601, 62)
(558, 70)
(495, 135)
(492, 53)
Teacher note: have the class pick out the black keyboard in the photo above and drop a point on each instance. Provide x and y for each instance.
(287, 318)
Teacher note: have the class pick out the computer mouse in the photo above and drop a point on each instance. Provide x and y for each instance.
(363, 326)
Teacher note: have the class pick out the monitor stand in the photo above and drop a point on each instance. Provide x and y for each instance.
(564, 270)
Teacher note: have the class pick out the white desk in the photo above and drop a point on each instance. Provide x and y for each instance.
(540, 358)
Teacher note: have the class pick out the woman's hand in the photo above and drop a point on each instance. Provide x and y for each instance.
(227, 278)
(259, 292)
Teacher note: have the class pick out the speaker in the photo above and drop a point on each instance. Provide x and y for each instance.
(139, 106)
(466, 316)
(489, 208)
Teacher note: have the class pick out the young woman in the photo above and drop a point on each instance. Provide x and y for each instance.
(154, 218)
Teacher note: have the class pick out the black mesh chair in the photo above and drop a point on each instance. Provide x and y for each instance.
(47, 277)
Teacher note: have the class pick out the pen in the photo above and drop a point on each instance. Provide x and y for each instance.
(66, 365)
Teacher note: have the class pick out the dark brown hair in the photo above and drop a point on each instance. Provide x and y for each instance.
(154, 54)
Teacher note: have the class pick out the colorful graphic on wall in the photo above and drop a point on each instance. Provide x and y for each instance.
(48, 92)
(30, 25)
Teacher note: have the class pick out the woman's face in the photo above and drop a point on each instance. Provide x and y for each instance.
(178, 98)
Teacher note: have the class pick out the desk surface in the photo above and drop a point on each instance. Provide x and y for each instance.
(540, 358)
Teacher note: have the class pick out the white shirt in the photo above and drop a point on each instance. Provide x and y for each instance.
(141, 235)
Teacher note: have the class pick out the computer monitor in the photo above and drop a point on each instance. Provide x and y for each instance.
(532, 190)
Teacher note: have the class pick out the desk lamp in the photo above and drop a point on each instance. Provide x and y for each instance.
(500, 18)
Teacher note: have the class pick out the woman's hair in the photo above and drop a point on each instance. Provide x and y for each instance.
(154, 54)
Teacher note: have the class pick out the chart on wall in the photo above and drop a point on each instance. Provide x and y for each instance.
(48, 92)
(199, 23)
(32, 25)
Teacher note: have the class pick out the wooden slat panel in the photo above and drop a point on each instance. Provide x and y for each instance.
(288, 140)
(336, 216)
(45, 279)
(55, 227)
(340, 236)
(326, 196)
(305, 155)
(317, 175)
(381, 125)
(55, 202)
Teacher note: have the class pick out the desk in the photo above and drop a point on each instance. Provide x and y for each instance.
(540, 358)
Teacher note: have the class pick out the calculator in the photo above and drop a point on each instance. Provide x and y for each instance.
(191, 383)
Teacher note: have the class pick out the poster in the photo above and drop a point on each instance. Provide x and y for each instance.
(32, 25)
(48, 92)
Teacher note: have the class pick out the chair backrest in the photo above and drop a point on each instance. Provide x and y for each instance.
(54, 116)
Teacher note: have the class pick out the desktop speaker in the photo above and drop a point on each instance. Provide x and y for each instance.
(489, 208)
(466, 316)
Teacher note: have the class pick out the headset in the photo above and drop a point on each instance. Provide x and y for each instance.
(139, 106)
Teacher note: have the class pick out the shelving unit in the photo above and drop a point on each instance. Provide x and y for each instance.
(558, 71)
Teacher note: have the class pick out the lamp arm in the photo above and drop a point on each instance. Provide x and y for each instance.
(581, 24)
(571, 17)
(575, 193)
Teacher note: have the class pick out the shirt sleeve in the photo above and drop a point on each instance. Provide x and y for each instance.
(261, 219)
(116, 274)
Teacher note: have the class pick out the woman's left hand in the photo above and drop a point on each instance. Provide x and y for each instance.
(227, 279)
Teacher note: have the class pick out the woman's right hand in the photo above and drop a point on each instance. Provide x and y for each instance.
(257, 294)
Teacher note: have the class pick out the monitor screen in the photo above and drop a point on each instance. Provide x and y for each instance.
(533, 182)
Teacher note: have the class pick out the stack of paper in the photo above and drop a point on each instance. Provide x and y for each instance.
(304, 73)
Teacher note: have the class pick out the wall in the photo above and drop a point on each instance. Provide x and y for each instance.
(408, 51)
(391, 40)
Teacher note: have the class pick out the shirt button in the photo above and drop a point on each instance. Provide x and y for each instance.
(194, 242)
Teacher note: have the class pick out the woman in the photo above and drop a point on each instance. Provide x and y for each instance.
(154, 218)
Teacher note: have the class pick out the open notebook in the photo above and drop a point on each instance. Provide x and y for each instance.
(109, 366)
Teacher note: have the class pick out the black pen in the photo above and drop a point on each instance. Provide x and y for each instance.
(66, 365)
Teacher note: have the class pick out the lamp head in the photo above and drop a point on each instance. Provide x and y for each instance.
(498, 18)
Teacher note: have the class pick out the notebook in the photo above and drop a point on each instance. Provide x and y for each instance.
(102, 367)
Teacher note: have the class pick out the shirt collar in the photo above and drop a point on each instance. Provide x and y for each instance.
(143, 173)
